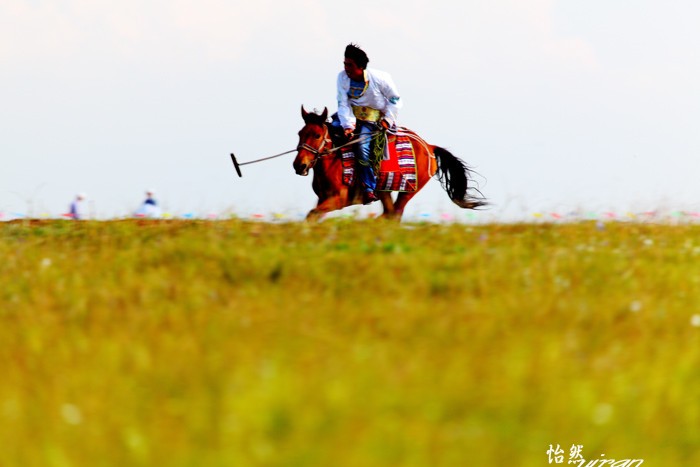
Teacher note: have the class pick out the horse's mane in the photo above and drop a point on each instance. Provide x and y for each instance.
(336, 133)
(312, 118)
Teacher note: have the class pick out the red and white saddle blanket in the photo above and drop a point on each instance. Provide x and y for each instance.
(397, 171)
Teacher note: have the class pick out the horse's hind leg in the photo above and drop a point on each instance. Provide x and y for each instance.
(401, 201)
(388, 204)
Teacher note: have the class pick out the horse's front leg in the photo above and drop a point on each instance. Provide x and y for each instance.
(331, 203)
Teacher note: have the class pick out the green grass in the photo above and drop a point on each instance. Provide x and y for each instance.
(346, 343)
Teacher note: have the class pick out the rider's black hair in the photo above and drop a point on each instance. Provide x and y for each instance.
(357, 55)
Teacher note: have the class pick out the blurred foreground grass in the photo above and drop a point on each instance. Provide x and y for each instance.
(229, 343)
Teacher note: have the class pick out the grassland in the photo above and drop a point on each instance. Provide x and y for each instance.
(347, 343)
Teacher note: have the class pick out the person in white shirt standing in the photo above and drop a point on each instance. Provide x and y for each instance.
(149, 208)
(367, 100)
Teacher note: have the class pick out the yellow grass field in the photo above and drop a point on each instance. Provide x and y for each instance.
(348, 343)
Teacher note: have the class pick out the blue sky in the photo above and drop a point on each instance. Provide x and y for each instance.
(560, 105)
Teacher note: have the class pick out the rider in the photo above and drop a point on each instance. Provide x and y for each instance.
(367, 99)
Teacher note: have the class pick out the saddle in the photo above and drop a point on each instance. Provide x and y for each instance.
(397, 168)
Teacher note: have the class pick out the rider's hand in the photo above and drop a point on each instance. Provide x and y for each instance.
(384, 123)
(348, 132)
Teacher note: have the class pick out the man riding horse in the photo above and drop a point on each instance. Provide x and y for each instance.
(367, 99)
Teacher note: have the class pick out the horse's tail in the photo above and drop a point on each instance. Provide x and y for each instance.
(456, 177)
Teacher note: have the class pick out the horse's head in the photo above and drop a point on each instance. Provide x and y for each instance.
(314, 141)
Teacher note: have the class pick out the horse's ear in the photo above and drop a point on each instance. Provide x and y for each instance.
(304, 113)
(324, 115)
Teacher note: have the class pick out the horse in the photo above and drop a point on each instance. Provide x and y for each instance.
(318, 151)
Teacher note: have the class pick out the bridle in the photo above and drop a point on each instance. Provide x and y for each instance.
(318, 152)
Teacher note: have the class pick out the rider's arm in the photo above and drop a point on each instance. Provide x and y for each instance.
(391, 94)
(345, 115)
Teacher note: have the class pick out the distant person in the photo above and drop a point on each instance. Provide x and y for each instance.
(149, 208)
(76, 207)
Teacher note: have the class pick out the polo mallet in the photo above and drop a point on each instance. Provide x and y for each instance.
(237, 165)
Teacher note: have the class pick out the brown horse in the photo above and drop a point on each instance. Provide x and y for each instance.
(318, 151)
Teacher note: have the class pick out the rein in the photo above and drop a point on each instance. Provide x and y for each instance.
(319, 153)
(356, 140)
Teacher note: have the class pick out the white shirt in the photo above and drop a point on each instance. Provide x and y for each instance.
(381, 94)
